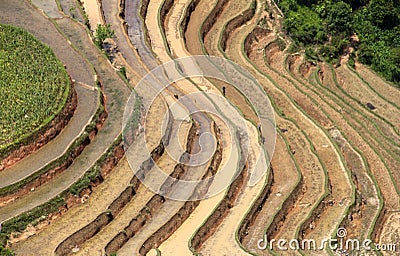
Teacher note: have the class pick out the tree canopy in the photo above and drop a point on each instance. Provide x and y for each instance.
(327, 25)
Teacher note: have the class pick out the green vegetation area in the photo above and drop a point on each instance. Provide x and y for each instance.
(34, 86)
(325, 27)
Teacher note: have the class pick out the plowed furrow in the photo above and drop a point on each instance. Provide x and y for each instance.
(354, 87)
(329, 157)
(382, 87)
(283, 184)
(133, 207)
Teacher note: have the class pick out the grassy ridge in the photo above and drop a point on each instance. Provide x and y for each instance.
(34, 86)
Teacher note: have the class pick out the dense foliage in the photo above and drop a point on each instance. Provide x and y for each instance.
(103, 33)
(34, 85)
(329, 25)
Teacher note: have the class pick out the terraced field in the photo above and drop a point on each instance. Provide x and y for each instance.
(262, 157)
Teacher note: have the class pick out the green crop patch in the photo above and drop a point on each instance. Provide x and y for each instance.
(34, 86)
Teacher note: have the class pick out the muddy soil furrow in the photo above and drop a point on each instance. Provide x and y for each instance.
(322, 223)
(328, 155)
(355, 137)
(376, 146)
(355, 88)
(367, 204)
(156, 210)
(143, 196)
(97, 204)
(381, 86)
(284, 182)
